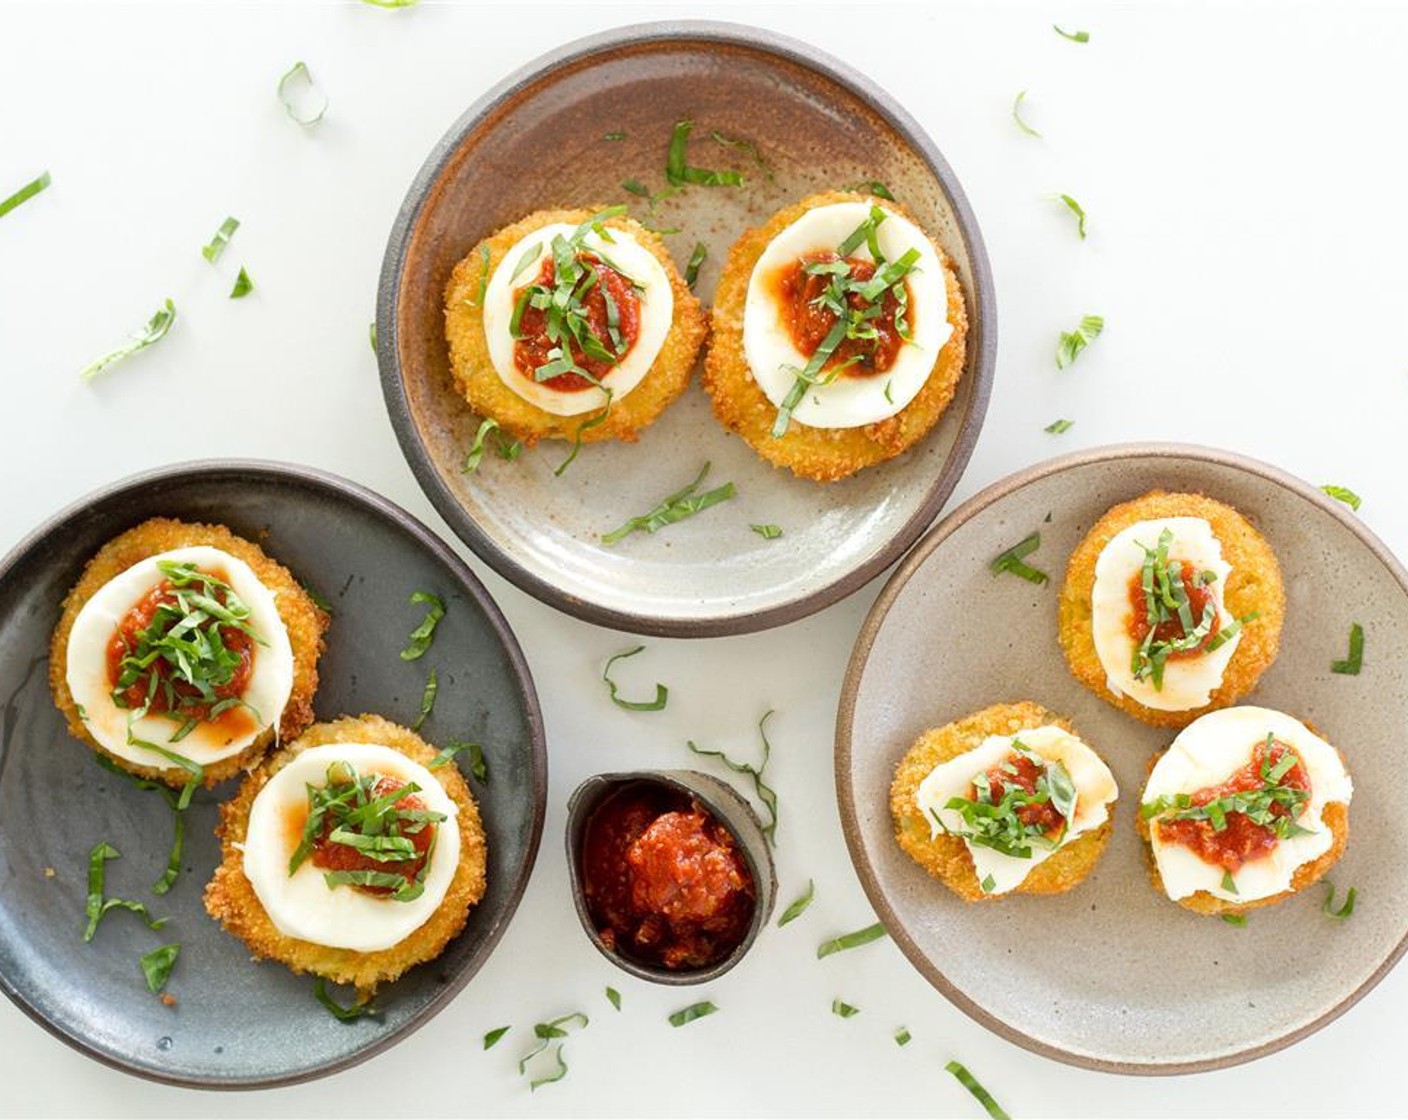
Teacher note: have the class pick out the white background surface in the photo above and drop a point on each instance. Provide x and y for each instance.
(1243, 169)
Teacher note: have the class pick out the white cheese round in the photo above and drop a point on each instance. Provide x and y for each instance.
(302, 905)
(657, 311)
(1095, 790)
(1188, 682)
(270, 682)
(1205, 754)
(773, 356)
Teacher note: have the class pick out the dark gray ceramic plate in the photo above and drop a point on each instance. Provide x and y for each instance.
(535, 141)
(238, 1024)
(1112, 975)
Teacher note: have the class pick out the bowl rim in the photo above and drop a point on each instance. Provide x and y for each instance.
(982, 336)
(343, 489)
(593, 792)
(860, 655)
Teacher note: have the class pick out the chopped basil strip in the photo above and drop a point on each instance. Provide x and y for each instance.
(494, 1035)
(635, 186)
(1013, 560)
(371, 333)
(1346, 909)
(427, 700)
(222, 237)
(1239, 920)
(613, 135)
(152, 333)
(767, 532)
(1351, 665)
(1166, 601)
(615, 997)
(1073, 342)
(25, 193)
(902, 1036)
(850, 940)
(1073, 36)
(172, 798)
(843, 1009)
(765, 793)
(391, 3)
(692, 1012)
(1229, 884)
(97, 905)
(582, 429)
(303, 101)
(799, 905)
(506, 449)
(678, 172)
(243, 285)
(1056, 427)
(318, 600)
(477, 766)
(156, 965)
(696, 259)
(747, 147)
(1229, 631)
(984, 1098)
(346, 1014)
(999, 822)
(1017, 114)
(1343, 494)
(675, 507)
(545, 1033)
(1076, 209)
(424, 634)
(662, 694)
(871, 186)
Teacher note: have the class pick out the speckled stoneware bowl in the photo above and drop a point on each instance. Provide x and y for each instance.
(1113, 975)
(536, 140)
(240, 1024)
(720, 799)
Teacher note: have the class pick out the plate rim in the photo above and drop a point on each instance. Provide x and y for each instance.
(860, 655)
(342, 489)
(982, 328)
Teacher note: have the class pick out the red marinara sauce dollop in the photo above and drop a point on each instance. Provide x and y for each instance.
(1018, 771)
(341, 857)
(533, 345)
(1199, 596)
(124, 641)
(664, 880)
(1243, 839)
(808, 322)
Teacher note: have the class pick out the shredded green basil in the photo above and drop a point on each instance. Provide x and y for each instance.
(1238, 920)
(243, 285)
(1013, 560)
(155, 330)
(1166, 600)
(1346, 909)
(798, 907)
(300, 94)
(545, 1033)
(902, 1036)
(507, 449)
(424, 634)
(156, 965)
(696, 260)
(1073, 342)
(1343, 494)
(997, 822)
(1073, 36)
(172, 799)
(222, 237)
(391, 3)
(614, 997)
(1017, 114)
(1355, 661)
(767, 532)
(427, 700)
(613, 135)
(346, 1014)
(679, 172)
(494, 1035)
(683, 503)
(477, 764)
(1075, 208)
(371, 333)
(872, 187)
(843, 1009)
(983, 1097)
(850, 940)
(692, 1012)
(98, 905)
(765, 793)
(1056, 427)
(748, 148)
(662, 694)
(25, 193)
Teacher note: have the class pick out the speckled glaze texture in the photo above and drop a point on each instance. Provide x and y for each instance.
(720, 799)
(1113, 975)
(240, 1024)
(535, 141)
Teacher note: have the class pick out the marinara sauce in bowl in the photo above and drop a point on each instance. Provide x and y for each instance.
(671, 873)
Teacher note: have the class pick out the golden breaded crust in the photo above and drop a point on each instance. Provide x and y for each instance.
(304, 620)
(488, 396)
(824, 454)
(1253, 586)
(230, 899)
(1336, 818)
(946, 857)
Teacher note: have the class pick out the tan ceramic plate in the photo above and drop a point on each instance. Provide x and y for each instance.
(536, 141)
(1112, 975)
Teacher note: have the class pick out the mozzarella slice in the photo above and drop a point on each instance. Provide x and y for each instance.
(773, 357)
(1189, 682)
(270, 682)
(302, 905)
(656, 315)
(1206, 753)
(1095, 790)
